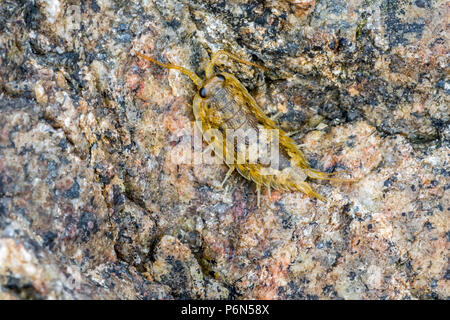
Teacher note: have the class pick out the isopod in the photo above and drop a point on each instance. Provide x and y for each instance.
(223, 103)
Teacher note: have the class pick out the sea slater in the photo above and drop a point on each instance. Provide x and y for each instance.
(222, 104)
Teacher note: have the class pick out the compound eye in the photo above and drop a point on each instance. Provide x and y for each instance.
(221, 77)
(202, 92)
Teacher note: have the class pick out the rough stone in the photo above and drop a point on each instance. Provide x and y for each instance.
(93, 205)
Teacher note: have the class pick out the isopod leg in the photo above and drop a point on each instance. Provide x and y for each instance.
(217, 54)
(293, 133)
(276, 116)
(258, 194)
(269, 192)
(228, 174)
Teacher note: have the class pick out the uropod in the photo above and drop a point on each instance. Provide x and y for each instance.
(222, 104)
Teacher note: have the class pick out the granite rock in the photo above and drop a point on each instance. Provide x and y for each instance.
(93, 205)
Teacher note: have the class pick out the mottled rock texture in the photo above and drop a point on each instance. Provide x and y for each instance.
(92, 204)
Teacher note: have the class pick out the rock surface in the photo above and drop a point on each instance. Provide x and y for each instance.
(92, 204)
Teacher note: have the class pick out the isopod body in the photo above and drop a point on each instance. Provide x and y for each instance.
(222, 104)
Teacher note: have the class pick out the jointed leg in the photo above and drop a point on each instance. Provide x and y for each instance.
(216, 55)
(258, 194)
(293, 133)
(228, 174)
(276, 116)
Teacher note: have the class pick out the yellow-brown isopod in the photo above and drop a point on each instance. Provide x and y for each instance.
(222, 103)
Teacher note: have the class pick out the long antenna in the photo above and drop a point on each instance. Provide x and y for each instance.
(196, 79)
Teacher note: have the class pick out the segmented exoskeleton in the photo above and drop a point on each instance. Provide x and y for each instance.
(223, 103)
